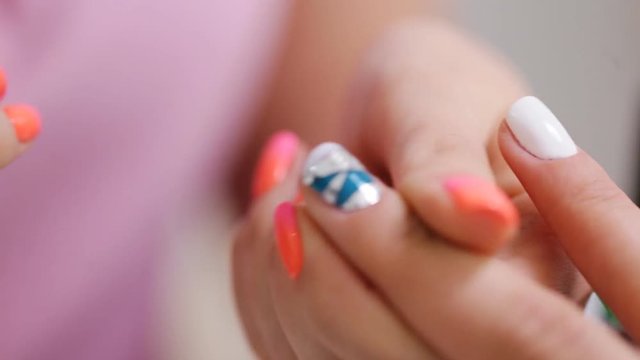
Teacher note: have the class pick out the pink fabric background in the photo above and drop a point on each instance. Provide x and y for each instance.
(143, 101)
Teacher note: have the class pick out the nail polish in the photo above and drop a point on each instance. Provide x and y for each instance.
(25, 120)
(3, 84)
(275, 162)
(339, 178)
(473, 195)
(289, 240)
(538, 130)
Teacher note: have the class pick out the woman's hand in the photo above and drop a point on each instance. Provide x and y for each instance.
(439, 149)
(359, 277)
(597, 224)
(19, 126)
(458, 304)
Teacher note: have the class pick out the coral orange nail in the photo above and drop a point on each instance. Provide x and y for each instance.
(275, 162)
(289, 240)
(477, 196)
(25, 120)
(3, 84)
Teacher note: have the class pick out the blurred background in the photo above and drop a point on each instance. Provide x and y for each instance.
(582, 58)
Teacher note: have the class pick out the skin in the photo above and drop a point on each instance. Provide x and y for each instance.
(596, 222)
(432, 99)
(10, 146)
(377, 284)
(468, 306)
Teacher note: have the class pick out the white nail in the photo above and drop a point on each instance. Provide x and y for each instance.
(539, 131)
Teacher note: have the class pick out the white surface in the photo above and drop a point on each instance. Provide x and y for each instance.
(582, 57)
(538, 130)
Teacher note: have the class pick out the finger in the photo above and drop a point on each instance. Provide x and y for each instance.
(449, 184)
(597, 224)
(252, 245)
(464, 305)
(329, 302)
(537, 254)
(19, 126)
(275, 162)
(433, 139)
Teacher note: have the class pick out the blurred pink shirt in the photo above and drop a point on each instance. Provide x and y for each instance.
(143, 103)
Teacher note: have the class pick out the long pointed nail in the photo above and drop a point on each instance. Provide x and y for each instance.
(539, 131)
(3, 84)
(25, 120)
(275, 162)
(340, 179)
(289, 239)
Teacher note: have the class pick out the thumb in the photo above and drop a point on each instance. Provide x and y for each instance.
(597, 224)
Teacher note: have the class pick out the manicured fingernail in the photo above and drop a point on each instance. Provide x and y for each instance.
(539, 131)
(3, 84)
(288, 239)
(275, 162)
(473, 195)
(25, 120)
(340, 178)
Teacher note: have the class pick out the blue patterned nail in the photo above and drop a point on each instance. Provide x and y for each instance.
(340, 178)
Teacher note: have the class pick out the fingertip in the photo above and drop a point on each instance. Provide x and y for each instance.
(506, 141)
(340, 179)
(275, 163)
(489, 216)
(26, 121)
(539, 131)
(289, 238)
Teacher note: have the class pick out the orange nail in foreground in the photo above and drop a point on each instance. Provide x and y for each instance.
(275, 162)
(288, 238)
(474, 195)
(3, 84)
(25, 120)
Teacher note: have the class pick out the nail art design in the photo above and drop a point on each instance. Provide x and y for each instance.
(539, 131)
(340, 179)
(288, 239)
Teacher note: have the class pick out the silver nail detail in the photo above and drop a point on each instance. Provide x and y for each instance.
(339, 178)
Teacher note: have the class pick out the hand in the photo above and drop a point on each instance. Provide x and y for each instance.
(305, 319)
(430, 102)
(19, 125)
(421, 149)
(596, 223)
(333, 314)
(454, 304)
